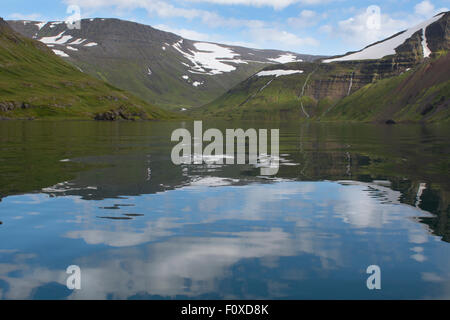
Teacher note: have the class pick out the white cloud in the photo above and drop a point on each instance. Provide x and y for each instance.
(160, 8)
(164, 9)
(357, 32)
(185, 33)
(326, 28)
(280, 39)
(276, 4)
(306, 18)
(426, 9)
(20, 16)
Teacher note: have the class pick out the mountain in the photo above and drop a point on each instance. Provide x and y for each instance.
(159, 67)
(36, 83)
(402, 78)
(427, 37)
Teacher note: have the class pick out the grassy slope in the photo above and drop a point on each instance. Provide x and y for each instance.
(33, 76)
(422, 94)
(278, 100)
(127, 50)
(165, 87)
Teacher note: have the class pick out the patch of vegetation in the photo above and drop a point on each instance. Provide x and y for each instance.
(350, 91)
(35, 83)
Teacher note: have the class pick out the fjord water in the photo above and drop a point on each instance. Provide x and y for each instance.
(106, 197)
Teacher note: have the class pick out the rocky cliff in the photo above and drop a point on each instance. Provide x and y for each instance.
(318, 89)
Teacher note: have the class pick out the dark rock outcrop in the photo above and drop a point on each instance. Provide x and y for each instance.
(13, 105)
(120, 114)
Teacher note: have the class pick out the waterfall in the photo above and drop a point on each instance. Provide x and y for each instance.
(265, 86)
(303, 92)
(261, 89)
(351, 84)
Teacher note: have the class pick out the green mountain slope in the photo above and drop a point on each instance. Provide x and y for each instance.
(421, 94)
(36, 83)
(160, 67)
(340, 91)
(410, 85)
(292, 96)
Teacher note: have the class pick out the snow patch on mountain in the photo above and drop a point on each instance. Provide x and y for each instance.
(387, 47)
(77, 41)
(63, 39)
(278, 73)
(286, 58)
(58, 39)
(60, 53)
(197, 83)
(40, 25)
(55, 23)
(210, 59)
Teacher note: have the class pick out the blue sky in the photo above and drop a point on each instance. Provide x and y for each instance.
(306, 26)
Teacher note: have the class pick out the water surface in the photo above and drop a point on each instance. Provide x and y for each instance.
(106, 197)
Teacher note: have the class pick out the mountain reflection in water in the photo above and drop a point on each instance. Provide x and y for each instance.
(106, 197)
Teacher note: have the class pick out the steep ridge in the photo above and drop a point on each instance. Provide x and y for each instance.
(157, 66)
(36, 83)
(421, 94)
(318, 90)
(393, 45)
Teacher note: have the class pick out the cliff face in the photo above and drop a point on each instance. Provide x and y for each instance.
(438, 34)
(335, 84)
(421, 94)
(314, 90)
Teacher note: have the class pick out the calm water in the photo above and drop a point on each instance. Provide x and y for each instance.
(106, 197)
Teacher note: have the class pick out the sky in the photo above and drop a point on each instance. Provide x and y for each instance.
(324, 27)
